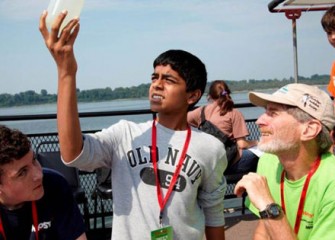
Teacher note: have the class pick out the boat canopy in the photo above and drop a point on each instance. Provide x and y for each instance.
(299, 5)
(293, 10)
(309, 2)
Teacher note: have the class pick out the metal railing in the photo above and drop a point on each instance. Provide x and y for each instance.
(88, 180)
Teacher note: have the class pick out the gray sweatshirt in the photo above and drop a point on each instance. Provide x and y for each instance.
(195, 202)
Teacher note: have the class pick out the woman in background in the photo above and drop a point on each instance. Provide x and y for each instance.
(221, 112)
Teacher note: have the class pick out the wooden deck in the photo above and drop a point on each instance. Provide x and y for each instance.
(241, 227)
(238, 226)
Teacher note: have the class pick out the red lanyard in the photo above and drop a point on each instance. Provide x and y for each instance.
(35, 221)
(303, 193)
(162, 201)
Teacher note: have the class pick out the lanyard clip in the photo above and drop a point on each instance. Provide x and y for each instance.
(161, 219)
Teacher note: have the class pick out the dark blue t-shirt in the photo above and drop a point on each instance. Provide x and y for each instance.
(59, 217)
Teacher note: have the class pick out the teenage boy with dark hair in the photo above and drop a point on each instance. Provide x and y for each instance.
(328, 25)
(167, 177)
(34, 203)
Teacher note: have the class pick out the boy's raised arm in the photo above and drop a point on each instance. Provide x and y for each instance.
(60, 46)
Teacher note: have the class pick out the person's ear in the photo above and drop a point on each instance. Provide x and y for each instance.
(310, 130)
(193, 96)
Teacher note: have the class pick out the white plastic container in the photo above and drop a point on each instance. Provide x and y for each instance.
(55, 7)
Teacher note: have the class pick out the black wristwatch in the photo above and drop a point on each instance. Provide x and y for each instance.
(272, 211)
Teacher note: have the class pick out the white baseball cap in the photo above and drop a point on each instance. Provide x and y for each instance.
(308, 98)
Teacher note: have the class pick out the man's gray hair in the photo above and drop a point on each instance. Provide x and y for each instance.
(323, 139)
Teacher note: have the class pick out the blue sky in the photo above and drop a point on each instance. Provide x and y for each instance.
(119, 39)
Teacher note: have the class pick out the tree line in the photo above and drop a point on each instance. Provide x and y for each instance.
(105, 94)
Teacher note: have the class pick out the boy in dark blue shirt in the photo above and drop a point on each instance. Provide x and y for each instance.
(35, 204)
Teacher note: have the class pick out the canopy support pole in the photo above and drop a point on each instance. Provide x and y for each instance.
(294, 15)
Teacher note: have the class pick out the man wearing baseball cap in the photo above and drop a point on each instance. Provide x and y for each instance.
(293, 191)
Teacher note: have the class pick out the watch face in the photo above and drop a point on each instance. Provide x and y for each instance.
(274, 210)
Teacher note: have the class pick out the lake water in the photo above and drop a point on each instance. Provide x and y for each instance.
(47, 126)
